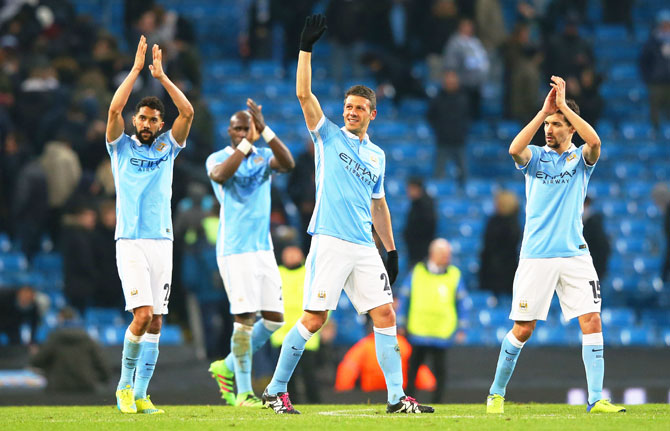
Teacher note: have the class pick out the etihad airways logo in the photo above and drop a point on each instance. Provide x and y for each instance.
(144, 165)
(361, 171)
(562, 178)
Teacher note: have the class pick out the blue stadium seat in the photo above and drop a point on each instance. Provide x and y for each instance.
(440, 188)
(480, 188)
(478, 300)
(96, 316)
(637, 131)
(624, 72)
(631, 245)
(633, 336)
(664, 337)
(658, 317)
(48, 262)
(551, 335)
(493, 317)
(618, 317)
(5, 243)
(171, 335)
(507, 130)
(13, 261)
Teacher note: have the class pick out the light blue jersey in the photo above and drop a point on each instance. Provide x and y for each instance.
(555, 191)
(244, 218)
(143, 182)
(349, 174)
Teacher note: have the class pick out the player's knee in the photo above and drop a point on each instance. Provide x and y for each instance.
(272, 316)
(247, 319)
(143, 316)
(522, 332)
(156, 324)
(383, 317)
(313, 321)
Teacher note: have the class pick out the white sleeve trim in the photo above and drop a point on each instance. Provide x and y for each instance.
(319, 124)
(519, 167)
(174, 141)
(378, 195)
(115, 141)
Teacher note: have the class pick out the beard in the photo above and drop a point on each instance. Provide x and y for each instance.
(145, 141)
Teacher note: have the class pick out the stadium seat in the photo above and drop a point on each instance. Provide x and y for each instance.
(13, 261)
(493, 317)
(551, 335)
(171, 335)
(618, 317)
(96, 316)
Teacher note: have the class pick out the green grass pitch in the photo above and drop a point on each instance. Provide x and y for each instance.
(524, 417)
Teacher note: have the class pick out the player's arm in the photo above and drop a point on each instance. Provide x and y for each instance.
(591, 152)
(518, 149)
(381, 219)
(314, 27)
(223, 171)
(115, 125)
(182, 124)
(282, 159)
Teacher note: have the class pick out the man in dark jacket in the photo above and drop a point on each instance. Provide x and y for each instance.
(448, 114)
(596, 237)
(421, 220)
(71, 360)
(655, 68)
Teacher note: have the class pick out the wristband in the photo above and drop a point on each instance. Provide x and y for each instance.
(268, 134)
(244, 146)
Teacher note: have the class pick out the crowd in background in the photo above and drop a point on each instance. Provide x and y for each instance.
(58, 71)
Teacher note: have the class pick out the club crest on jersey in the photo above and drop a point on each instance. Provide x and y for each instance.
(258, 160)
(374, 159)
(523, 305)
(161, 146)
(572, 156)
(133, 292)
(321, 295)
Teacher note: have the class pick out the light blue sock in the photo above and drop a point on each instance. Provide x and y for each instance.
(259, 336)
(291, 352)
(146, 365)
(593, 356)
(240, 347)
(509, 353)
(388, 356)
(132, 348)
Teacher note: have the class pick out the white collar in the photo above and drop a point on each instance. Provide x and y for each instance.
(572, 147)
(365, 140)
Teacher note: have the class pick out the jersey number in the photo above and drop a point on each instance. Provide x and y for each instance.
(167, 289)
(595, 287)
(384, 277)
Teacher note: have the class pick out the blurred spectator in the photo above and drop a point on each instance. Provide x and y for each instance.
(568, 54)
(661, 196)
(449, 115)
(292, 271)
(585, 89)
(360, 363)
(30, 207)
(255, 37)
(71, 360)
(393, 76)
(346, 32)
(302, 190)
(431, 23)
(291, 16)
(655, 68)
(617, 12)
(596, 237)
(490, 24)
(465, 54)
(79, 249)
(500, 251)
(421, 221)
(13, 156)
(429, 307)
(108, 285)
(18, 307)
(63, 172)
(522, 61)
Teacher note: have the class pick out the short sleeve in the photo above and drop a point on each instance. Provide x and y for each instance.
(176, 148)
(323, 130)
(116, 143)
(378, 189)
(534, 156)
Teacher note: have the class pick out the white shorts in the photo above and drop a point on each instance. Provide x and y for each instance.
(573, 278)
(252, 282)
(333, 264)
(145, 269)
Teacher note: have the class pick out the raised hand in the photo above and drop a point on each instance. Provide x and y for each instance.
(252, 134)
(314, 27)
(140, 54)
(157, 67)
(549, 106)
(256, 115)
(558, 84)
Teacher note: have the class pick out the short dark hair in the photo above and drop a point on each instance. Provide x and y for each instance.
(572, 105)
(152, 102)
(363, 91)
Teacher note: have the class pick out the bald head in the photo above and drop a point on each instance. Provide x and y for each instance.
(240, 123)
(439, 252)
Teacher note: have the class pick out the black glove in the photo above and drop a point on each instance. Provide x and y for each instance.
(314, 27)
(392, 265)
